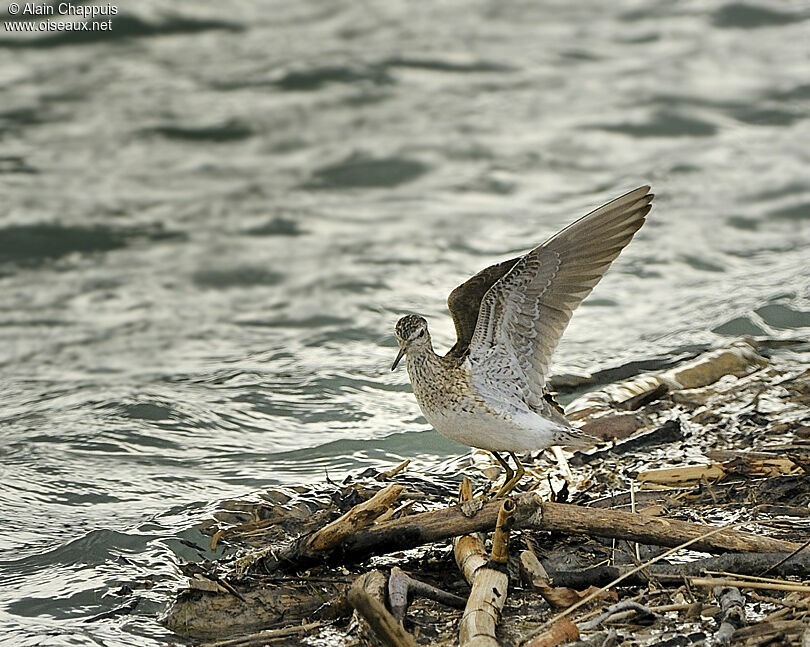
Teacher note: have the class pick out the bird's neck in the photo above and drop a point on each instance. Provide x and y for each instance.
(422, 359)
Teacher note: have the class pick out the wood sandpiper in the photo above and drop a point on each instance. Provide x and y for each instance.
(490, 389)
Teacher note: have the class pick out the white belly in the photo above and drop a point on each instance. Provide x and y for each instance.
(462, 413)
(523, 432)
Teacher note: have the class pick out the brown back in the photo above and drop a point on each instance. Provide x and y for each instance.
(465, 302)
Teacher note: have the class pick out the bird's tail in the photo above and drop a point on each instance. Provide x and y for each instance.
(572, 437)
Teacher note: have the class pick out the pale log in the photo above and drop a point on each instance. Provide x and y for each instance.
(489, 585)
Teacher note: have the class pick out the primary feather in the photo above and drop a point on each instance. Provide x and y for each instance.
(523, 313)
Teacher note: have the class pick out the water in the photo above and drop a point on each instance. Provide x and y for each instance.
(213, 214)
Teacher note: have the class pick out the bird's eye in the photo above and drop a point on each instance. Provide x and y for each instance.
(421, 333)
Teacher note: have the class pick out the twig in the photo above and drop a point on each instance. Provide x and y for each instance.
(360, 516)
(742, 576)
(627, 608)
(392, 512)
(261, 637)
(740, 564)
(633, 509)
(663, 608)
(465, 491)
(782, 561)
(562, 463)
(393, 472)
(777, 615)
(242, 529)
(791, 627)
(782, 601)
(612, 638)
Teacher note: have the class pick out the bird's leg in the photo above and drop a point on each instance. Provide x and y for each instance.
(513, 478)
(510, 473)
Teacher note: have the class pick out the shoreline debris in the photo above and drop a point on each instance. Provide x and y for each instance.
(604, 545)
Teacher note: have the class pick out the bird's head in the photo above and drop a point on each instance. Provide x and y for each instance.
(411, 332)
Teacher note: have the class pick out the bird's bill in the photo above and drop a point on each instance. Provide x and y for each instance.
(399, 357)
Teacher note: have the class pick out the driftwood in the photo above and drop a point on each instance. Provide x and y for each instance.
(609, 412)
(530, 513)
(760, 465)
(259, 608)
(768, 586)
(738, 359)
(382, 476)
(487, 577)
(779, 564)
(685, 474)
(732, 613)
(669, 432)
(360, 516)
(366, 596)
(402, 587)
(775, 628)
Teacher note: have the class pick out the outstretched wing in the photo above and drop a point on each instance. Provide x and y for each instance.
(524, 313)
(465, 301)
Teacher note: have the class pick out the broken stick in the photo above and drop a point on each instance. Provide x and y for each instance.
(364, 596)
(360, 516)
(402, 587)
(732, 612)
(489, 581)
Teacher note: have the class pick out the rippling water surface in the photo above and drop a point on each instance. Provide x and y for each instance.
(213, 214)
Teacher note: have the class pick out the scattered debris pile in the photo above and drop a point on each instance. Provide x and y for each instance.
(690, 525)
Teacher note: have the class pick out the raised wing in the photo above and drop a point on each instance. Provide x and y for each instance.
(465, 302)
(524, 313)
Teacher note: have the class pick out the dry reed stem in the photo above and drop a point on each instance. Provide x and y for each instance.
(262, 637)
(743, 584)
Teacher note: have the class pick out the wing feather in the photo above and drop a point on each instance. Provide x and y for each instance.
(524, 312)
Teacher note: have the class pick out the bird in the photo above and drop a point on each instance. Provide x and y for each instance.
(491, 389)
